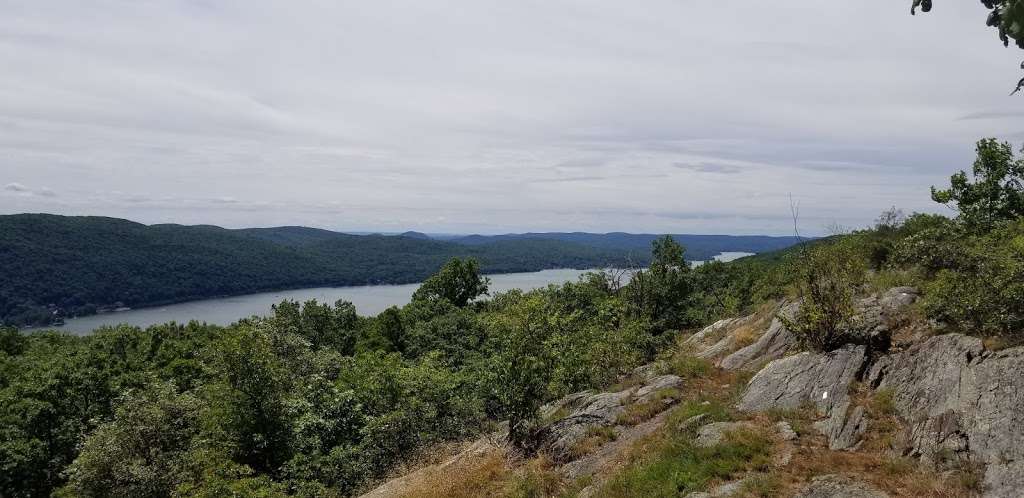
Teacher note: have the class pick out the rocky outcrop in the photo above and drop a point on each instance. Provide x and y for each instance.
(878, 315)
(591, 411)
(588, 410)
(716, 339)
(821, 380)
(835, 486)
(713, 333)
(876, 318)
(844, 427)
(960, 402)
(601, 465)
(772, 345)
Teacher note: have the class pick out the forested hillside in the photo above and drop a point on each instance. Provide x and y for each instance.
(64, 266)
(57, 266)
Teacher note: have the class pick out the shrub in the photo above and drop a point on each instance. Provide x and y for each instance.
(142, 451)
(975, 282)
(830, 276)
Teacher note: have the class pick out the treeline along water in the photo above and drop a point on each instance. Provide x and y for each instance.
(368, 300)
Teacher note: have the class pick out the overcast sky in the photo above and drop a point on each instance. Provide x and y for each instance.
(684, 116)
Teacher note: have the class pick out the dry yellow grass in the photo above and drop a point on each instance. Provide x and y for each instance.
(750, 331)
(873, 462)
(897, 476)
(477, 477)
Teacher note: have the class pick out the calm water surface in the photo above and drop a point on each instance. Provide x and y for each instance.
(368, 299)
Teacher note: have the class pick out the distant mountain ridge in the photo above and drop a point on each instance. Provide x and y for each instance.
(698, 247)
(54, 266)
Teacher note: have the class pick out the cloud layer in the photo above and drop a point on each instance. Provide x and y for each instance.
(489, 116)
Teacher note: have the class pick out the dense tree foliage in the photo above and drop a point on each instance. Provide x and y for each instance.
(458, 282)
(657, 294)
(312, 400)
(970, 269)
(997, 192)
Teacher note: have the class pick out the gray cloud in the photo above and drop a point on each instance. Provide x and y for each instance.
(991, 115)
(518, 116)
(569, 179)
(16, 187)
(709, 168)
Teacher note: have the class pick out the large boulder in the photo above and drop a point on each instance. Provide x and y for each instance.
(960, 402)
(821, 380)
(835, 486)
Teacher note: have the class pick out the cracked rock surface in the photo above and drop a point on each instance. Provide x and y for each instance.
(960, 402)
(773, 344)
(589, 410)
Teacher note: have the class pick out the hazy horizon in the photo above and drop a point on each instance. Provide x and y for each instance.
(399, 232)
(490, 117)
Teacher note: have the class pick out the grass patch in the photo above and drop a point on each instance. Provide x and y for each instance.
(881, 281)
(594, 438)
(689, 367)
(558, 414)
(882, 404)
(640, 412)
(537, 479)
(762, 486)
(900, 477)
(677, 467)
(801, 420)
(885, 424)
(714, 411)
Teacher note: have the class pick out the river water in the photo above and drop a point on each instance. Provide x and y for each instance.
(368, 300)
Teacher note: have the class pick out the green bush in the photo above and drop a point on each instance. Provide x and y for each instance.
(830, 277)
(980, 291)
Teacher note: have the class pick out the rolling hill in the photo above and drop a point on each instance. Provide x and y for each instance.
(54, 266)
